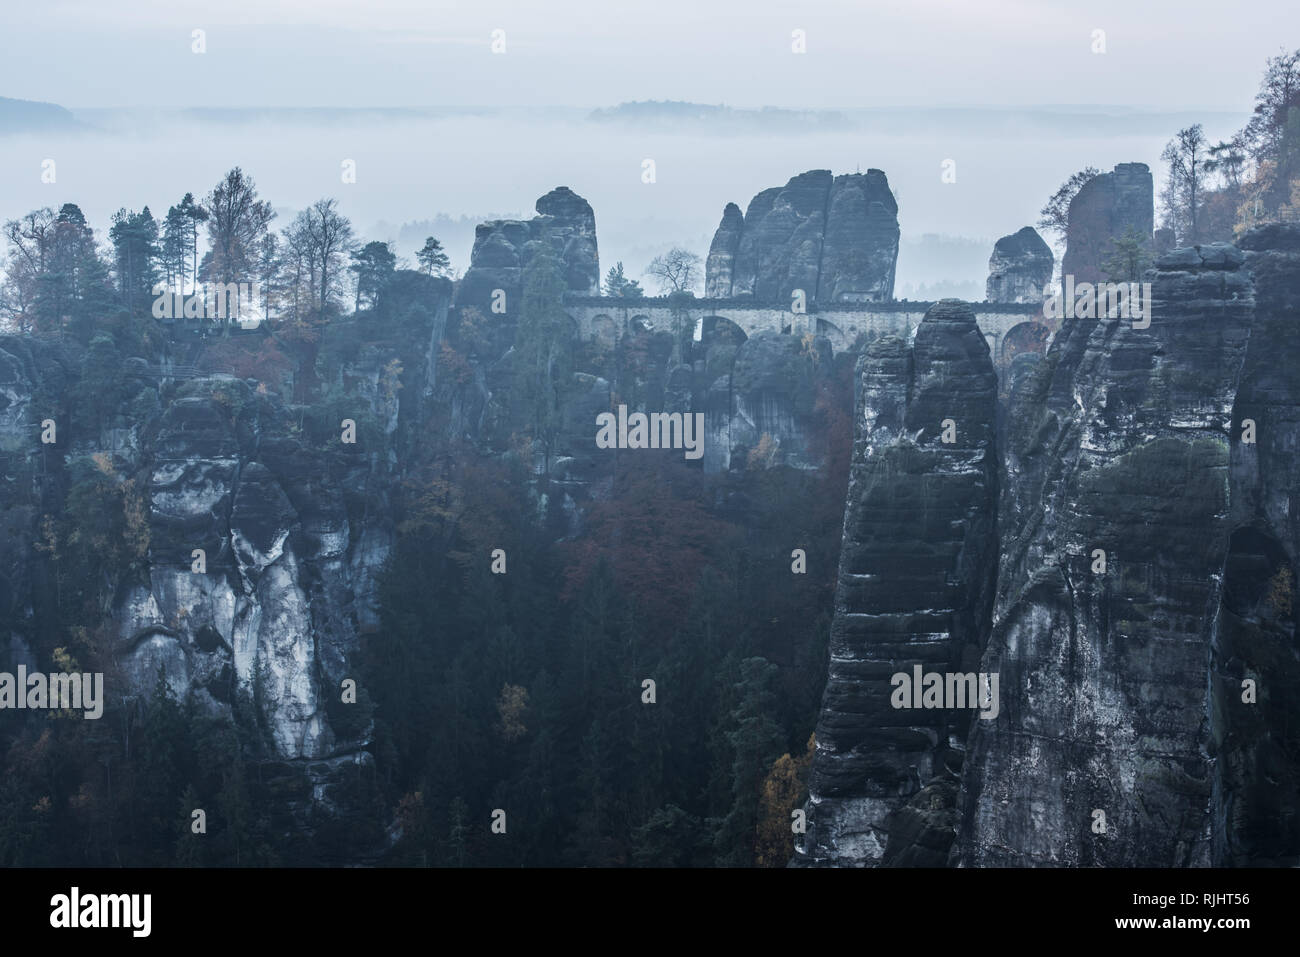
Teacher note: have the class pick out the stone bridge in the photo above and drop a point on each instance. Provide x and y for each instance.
(1009, 327)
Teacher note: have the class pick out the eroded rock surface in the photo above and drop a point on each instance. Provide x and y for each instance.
(1118, 443)
(1021, 265)
(1143, 625)
(1110, 206)
(915, 588)
(834, 237)
(503, 247)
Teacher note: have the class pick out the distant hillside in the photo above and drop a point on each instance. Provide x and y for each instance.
(674, 115)
(29, 116)
(715, 119)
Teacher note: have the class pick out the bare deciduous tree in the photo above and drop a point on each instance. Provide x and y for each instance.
(677, 270)
(1279, 92)
(1055, 215)
(236, 221)
(1183, 194)
(30, 240)
(317, 244)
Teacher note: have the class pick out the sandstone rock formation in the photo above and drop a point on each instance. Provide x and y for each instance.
(291, 521)
(915, 587)
(1108, 207)
(1118, 442)
(502, 248)
(1143, 623)
(835, 237)
(1162, 241)
(766, 386)
(1021, 265)
(722, 253)
(1255, 820)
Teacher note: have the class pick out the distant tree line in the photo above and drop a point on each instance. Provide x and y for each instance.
(57, 279)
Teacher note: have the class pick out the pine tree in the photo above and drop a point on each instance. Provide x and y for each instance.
(162, 745)
(755, 740)
(135, 246)
(617, 284)
(433, 260)
(458, 832)
(1129, 259)
(190, 849)
(374, 265)
(1055, 214)
(75, 290)
(175, 247)
(192, 215)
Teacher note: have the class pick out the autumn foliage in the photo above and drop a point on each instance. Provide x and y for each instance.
(657, 535)
(784, 791)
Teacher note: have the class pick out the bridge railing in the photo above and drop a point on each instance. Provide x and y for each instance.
(692, 305)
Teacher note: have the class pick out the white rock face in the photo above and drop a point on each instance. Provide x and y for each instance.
(288, 580)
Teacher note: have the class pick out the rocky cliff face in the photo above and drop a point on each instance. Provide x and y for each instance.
(1254, 814)
(915, 588)
(1108, 207)
(1021, 265)
(1118, 445)
(834, 237)
(718, 265)
(292, 522)
(763, 394)
(1143, 625)
(502, 248)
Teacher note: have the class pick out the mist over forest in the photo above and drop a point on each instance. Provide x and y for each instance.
(707, 436)
(454, 168)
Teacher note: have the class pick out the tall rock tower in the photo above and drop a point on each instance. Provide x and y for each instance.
(915, 587)
(834, 237)
(503, 247)
(1107, 208)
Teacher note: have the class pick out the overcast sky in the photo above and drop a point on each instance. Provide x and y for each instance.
(132, 53)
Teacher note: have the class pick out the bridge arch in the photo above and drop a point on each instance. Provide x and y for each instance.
(824, 327)
(720, 329)
(1009, 328)
(604, 330)
(1029, 336)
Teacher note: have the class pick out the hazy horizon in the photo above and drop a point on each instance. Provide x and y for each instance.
(493, 162)
(1020, 94)
(407, 52)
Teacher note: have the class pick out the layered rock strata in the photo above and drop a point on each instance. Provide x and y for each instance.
(915, 588)
(1143, 625)
(1114, 526)
(503, 247)
(1256, 810)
